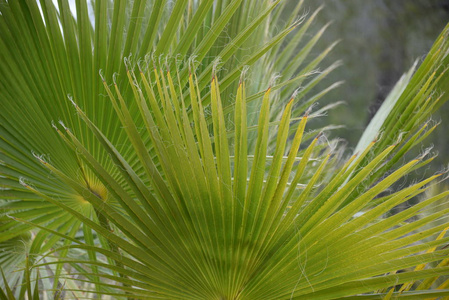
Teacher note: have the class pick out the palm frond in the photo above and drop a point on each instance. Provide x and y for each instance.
(177, 172)
(216, 227)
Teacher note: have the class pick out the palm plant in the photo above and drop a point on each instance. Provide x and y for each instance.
(180, 166)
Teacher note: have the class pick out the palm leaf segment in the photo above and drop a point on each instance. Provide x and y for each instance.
(50, 56)
(208, 226)
(183, 215)
(48, 53)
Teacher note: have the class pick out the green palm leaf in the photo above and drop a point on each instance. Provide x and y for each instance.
(180, 174)
(258, 245)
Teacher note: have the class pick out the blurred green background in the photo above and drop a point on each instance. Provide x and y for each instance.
(380, 40)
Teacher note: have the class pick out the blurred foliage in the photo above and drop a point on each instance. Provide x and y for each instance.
(379, 41)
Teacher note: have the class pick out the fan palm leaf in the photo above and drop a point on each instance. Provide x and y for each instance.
(176, 173)
(219, 228)
(50, 52)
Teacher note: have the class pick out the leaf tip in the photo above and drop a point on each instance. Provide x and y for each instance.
(100, 72)
(63, 125)
(114, 78)
(23, 183)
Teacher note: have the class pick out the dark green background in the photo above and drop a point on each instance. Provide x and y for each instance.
(380, 40)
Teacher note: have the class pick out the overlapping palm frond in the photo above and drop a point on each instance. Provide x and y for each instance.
(50, 53)
(206, 223)
(176, 173)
